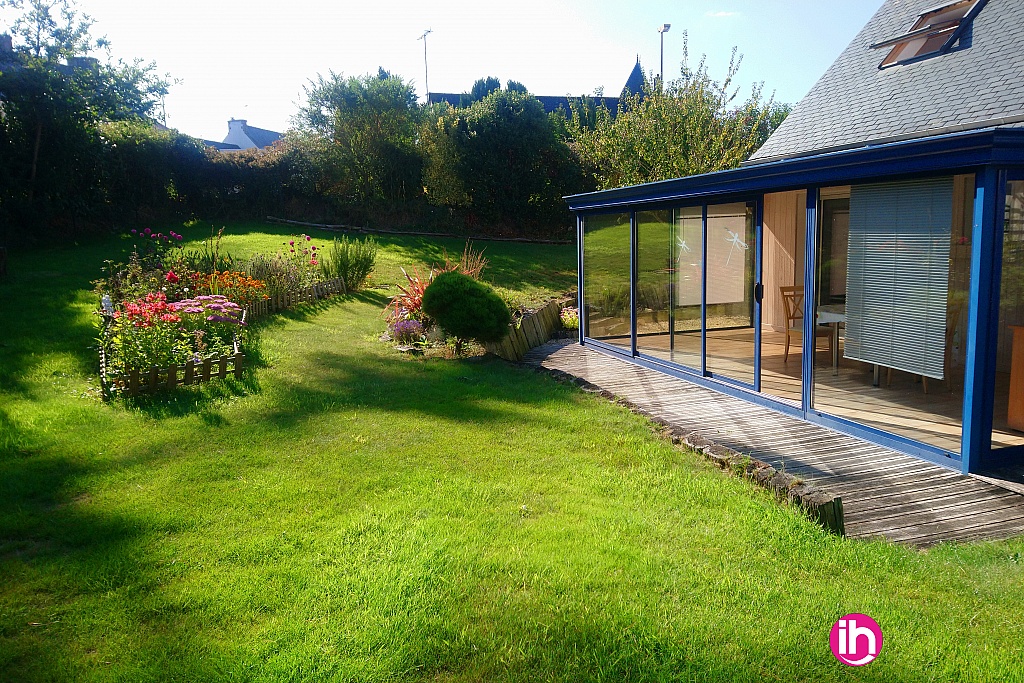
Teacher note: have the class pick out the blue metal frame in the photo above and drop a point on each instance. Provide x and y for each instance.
(982, 320)
(758, 287)
(632, 282)
(704, 289)
(580, 309)
(809, 347)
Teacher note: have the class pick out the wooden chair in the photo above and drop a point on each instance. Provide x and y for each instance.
(793, 303)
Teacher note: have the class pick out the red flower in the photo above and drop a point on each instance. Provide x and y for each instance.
(171, 277)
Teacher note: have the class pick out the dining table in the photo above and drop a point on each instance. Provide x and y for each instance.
(833, 314)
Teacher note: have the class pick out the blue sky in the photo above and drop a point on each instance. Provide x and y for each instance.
(237, 59)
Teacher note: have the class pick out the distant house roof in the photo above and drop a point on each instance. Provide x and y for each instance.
(220, 145)
(978, 82)
(243, 136)
(634, 85)
(635, 82)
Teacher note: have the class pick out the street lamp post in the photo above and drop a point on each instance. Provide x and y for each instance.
(426, 73)
(662, 31)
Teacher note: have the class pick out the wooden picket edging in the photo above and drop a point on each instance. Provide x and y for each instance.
(534, 329)
(156, 378)
(278, 302)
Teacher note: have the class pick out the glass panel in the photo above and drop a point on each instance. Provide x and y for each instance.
(730, 289)
(654, 258)
(893, 278)
(689, 250)
(785, 225)
(1008, 422)
(606, 279)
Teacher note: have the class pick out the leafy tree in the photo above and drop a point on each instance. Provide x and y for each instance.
(481, 89)
(52, 101)
(689, 126)
(500, 160)
(515, 86)
(366, 129)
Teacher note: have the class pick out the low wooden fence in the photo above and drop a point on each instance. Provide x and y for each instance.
(156, 378)
(534, 330)
(278, 302)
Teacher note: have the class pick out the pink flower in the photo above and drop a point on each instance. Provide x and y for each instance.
(308, 238)
(291, 243)
(312, 262)
(147, 231)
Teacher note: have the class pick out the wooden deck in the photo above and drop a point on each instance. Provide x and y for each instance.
(885, 493)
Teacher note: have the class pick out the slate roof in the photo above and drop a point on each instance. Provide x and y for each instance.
(635, 82)
(260, 136)
(978, 84)
(220, 145)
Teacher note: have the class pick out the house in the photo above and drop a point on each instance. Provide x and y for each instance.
(243, 136)
(634, 85)
(864, 270)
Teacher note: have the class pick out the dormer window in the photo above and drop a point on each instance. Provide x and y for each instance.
(934, 32)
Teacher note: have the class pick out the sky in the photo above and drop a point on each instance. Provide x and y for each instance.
(250, 60)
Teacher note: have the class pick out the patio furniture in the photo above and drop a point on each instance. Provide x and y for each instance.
(793, 302)
(834, 315)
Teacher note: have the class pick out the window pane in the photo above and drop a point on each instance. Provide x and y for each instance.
(1008, 425)
(730, 288)
(654, 258)
(606, 279)
(894, 308)
(689, 250)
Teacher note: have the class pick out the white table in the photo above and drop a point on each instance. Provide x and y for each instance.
(833, 314)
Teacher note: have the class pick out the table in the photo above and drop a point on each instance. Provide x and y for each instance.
(833, 314)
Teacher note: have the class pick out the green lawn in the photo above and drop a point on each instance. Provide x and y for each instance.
(346, 513)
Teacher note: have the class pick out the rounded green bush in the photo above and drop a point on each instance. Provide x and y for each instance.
(466, 308)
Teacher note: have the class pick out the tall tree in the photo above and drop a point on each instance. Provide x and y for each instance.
(692, 125)
(366, 129)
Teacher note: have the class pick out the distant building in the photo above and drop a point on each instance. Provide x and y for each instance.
(634, 85)
(243, 136)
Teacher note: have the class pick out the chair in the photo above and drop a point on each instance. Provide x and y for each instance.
(793, 302)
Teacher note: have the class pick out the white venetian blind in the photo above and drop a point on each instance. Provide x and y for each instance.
(898, 273)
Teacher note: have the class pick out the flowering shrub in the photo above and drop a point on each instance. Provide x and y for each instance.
(305, 256)
(570, 318)
(150, 331)
(407, 331)
(235, 285)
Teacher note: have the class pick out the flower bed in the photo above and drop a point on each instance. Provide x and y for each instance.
(178, 317)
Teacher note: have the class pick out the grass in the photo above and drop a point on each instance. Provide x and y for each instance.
(346, 513)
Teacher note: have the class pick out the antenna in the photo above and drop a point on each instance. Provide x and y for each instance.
(426, 72)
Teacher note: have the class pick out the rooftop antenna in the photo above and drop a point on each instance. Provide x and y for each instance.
(426, 73)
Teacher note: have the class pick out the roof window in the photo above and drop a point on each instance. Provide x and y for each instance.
(934, 32)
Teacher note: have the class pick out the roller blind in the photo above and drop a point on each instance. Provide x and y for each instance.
(898, 274)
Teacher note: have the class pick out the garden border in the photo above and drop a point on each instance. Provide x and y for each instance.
(533, 330)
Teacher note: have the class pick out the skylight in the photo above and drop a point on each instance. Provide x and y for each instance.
(934, 32)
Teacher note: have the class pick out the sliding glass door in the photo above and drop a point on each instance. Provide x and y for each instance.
(689, 274)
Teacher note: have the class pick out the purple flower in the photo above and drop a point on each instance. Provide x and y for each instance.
(134, 231)
(308, 238)
(148, 232)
